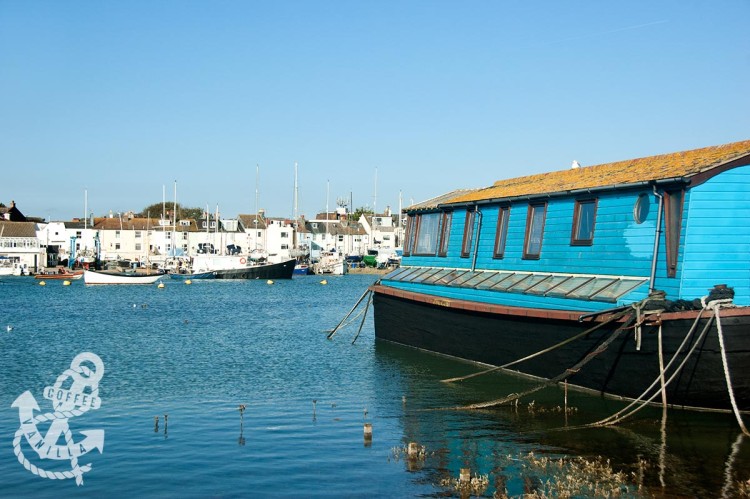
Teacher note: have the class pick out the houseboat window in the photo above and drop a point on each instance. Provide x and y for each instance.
(468, 234)
(137, 234)
(445, 232)
(501, 233)
(673, 223)
(408, 238)
(138, 246)
(427, 234)
(532, 246)
(398, 273)
(640, 210)
(584, 216)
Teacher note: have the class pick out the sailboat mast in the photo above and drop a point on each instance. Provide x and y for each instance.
(295, 191)
(85, 207)
(174, 222)
(375, 198)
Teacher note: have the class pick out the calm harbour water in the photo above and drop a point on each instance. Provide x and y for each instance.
(197, 352)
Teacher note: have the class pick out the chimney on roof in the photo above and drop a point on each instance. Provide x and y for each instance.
(575, 165)
(12, 204)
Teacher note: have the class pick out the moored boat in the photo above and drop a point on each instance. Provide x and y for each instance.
(60, 275)
(301, 269)
(241, 267)
(108, 277)
(647, 257)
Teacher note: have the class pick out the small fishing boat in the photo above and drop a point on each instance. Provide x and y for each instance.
(51, 276)
(301, 269)
(330, 263)
(109, 277)
(628, 279)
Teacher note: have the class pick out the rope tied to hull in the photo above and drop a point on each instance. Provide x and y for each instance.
(713, 306)
(562, 376)
(716, 305)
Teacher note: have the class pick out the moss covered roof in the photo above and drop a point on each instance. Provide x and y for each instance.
(652, 168)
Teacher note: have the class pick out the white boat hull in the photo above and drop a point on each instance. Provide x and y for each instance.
(90, 277)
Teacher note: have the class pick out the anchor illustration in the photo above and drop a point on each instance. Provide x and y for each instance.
(81, 396)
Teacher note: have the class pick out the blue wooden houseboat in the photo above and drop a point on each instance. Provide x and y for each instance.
(649, 257)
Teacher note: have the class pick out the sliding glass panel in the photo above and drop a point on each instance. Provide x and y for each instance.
(510, 282)
(526, 284)
(590, 288)
(499, 277)
(569, 285)
(424, 275)
(542, 287)
(461, 281)
(396, 274)
(615, 291)
(451, 276)
(435, 277)
(479, 277)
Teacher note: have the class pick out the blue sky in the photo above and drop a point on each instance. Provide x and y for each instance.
(120, 99)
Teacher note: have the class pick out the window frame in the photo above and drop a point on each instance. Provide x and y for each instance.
(673, 227)
(408, 233)
(501, 232)
(467, 241)
(445, 233)
(417, 234)
(530, 225)
(577, 211)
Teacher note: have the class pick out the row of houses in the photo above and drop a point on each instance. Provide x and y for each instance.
(34, 243)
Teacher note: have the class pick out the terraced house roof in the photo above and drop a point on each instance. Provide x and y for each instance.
(681, 164)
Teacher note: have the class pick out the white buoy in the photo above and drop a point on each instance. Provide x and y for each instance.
(323, 282)
(161, 285)
(42, 283)
(269, 281)
(66, 283)
(9, 328)
(188, 281)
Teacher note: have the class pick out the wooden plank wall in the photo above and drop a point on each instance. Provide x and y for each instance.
(717, 235)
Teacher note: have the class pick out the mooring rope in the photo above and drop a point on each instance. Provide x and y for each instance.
(338, 326)
(564, 375)
(364, 316)
(614, 318)
(716, 305)
(621, 414)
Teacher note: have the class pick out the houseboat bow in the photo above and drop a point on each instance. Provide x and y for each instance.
(648, 257)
